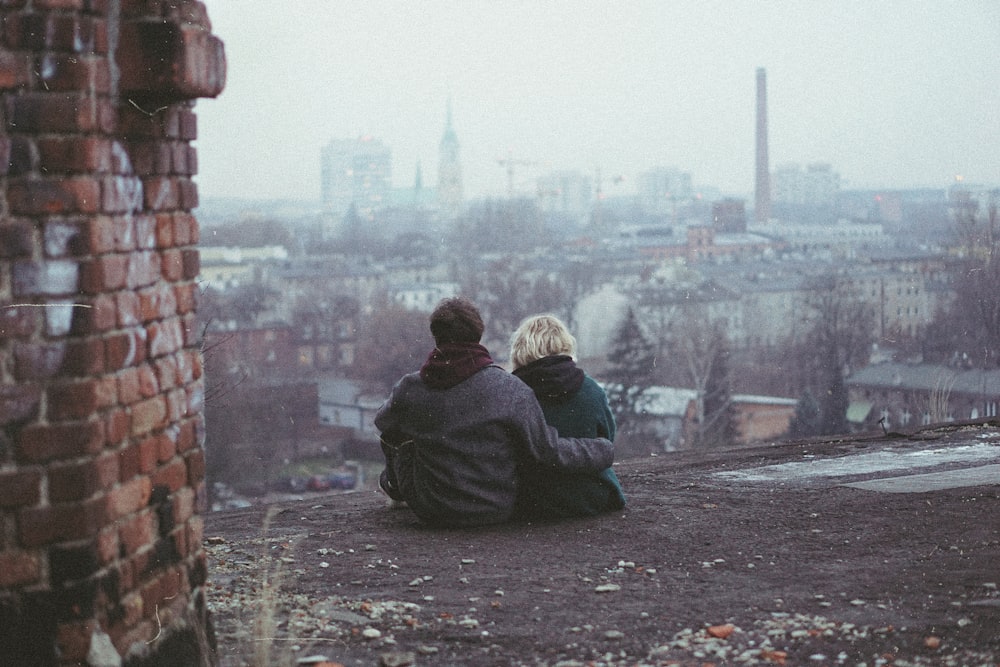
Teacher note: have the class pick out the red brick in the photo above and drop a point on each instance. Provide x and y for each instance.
(186, 436)
(149, 452)
(79, 194)
(116, 426)
(157, 302)
(77, 400)
(73, 640)
(84, 357)
(160, 193)
(18, 403)
(21, 488)
(63, 238)
(18, 568)
(187, 194)
(186, 296)
(185, 229)
(39, 443)
(172, 265)
(15, 70)
(18, 321)
(17, 239)
(164, 230)
(129, 497)
(148, 415)
(77, 481)
(166, 372)
(137, 532)
(196, 465)
(166, 448)
(127, 304)
(98, 235)
(123, 229)
(165, 337)
(121, 194)
(145, 232)
(173, 475)
(119, 351)
(106, 273)
(40, 361)
(74, 154)
(61, 522)
(192, 264)
(188, 120)
(149, 385)
(128, 386)
(177, 405)
(143, 269)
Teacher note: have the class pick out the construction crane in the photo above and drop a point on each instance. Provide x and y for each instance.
(510, 162)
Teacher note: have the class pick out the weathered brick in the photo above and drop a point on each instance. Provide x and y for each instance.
(165, 337)
(79, 399)
(137, 532)
(164, 230)
(192, 264)
(148, 415)
(76, 194)
(80, 480)
(160, 193)
(166, 447)
(166, 371)
(186, 436)
(65, 72)
(98, 235)
(107, 545)
(106, 273)
(18, 321)
(143, 269)
(149, 384)
(39, 361)
(128, 386)
(157, 302)
(129, 497)
(116, 426)
(18, 403)
(20, 488)
(39, 443)
(196, 465)
(121, 194)
(51, 278)
(187, 194)
(185, 229)
(172, 265)
(173, 475)
(19, 568)
(74, 154)
(84, 357)
(97, 317)
(15, 70)
(150, 157)
(61, 522)
(187, 298)
(188, 130)
(73, 640)
(127, 305)
(62, 238)
(145, 232)
(17, 239)
(119, 351)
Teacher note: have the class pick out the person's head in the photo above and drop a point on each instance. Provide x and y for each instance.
(540, 336)
(456, 320)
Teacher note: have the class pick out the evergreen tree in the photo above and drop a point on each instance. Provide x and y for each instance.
(805, 422)
(629, 372)
(717, 427)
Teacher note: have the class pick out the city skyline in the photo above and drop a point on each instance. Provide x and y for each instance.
(896, 95)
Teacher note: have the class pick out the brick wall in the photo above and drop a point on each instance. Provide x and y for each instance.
(101, 390)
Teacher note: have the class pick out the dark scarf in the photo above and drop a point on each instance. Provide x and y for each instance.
(450, 363)
(553, 379)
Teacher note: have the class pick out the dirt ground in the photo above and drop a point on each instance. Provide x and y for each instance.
(698, 570)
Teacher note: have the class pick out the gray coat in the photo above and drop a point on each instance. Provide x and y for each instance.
(456, 452)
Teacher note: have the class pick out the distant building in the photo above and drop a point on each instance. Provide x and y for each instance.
(902, 396)
(568, 192)
(817, 185)
(662, 190)
(729, 216)
(355, 171)
(451, 195)
(762, 197)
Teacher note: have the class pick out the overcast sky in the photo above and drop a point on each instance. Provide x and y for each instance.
(892, 93)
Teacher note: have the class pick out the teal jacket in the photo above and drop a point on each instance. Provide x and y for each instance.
(577, 407)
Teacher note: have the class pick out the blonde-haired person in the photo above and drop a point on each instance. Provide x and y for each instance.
(542, 355)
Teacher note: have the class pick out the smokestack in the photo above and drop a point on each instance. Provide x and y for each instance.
(762, 201)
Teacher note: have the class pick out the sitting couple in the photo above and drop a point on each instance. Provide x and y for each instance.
(467, 443)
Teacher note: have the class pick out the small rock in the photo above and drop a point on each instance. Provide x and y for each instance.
(932, 642)
(613, 635)
(397, 659)
(371, 633)
(721, 631)
(607, 588)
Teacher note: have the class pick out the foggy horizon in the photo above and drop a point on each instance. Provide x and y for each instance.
(898, 95)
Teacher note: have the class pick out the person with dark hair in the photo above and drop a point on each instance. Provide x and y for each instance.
(542, 355)
(457, 433)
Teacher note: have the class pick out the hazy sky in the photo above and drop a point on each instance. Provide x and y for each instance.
(892, 93)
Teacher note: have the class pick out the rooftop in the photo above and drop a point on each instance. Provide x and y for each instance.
(864, 550)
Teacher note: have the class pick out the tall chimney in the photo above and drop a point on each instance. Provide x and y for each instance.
(762, 201)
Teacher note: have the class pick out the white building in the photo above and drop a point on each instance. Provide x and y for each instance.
(355, 171)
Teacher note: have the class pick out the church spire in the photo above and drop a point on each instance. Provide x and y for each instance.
(450, 194)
